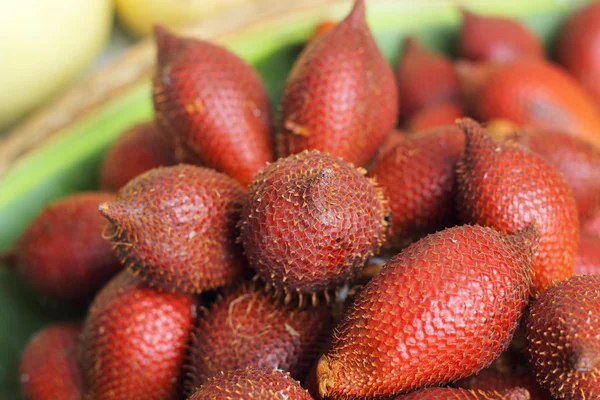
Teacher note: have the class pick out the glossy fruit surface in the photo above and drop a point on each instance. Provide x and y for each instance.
(341, 96)
(464, 394)
(134, 341)
(563, 338)
(175, 228)
(509, 188)
(212, 106)
(405, 328)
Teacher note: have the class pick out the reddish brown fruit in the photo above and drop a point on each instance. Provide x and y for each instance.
(341, 96)
(248, 328)
(563, 338)
(425, 79)
(508, 188)
(134, 341)
(251, 384)
(139, 149)
(49, 367)
(531, 92)
(496, 39)
(175, 227)
(414, 324)
(464, 394)
(587, 260)
(394, 137)
(432, 117)
(311, 222)
(62, 254)
(212, 105)
(418, 179)
(577, 47)
(575, 159)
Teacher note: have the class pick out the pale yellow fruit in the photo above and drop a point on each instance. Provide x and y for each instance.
(139, 16)
(44, 45)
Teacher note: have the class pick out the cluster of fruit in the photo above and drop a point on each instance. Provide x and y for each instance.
(456, 261)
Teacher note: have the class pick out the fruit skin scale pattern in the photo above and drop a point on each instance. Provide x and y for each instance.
(443, 309)
(463, 394)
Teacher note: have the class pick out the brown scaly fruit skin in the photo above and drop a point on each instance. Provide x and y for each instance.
(588, 255)
(432, 117)
(577, 160)
(341, 96)
(508, 188)
(251, 384)
(577, 47)
(563, 338)
(139, 149)
(311, 222)
(212, 105)
(134, 341)
(464, 394)
(496, 39)
(248, 328)
(175, 228)
(425, 295)
(425, 79)
(49, 367)
(419, 182)
(530, 92)
(62, 254)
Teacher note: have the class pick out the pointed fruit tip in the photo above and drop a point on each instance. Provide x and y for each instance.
(112, 210)
(411, 44)
(357, 15)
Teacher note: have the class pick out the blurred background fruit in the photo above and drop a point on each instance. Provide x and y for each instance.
(57, 40)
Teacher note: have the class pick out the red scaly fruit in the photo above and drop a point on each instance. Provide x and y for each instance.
(212, 105)
(414, 324)
(577, 47)
(248, 328)
(341, 96)
(587, 260)
(175, 228)
(577, 160)
(464, 394)
(508, 188)
(496, 39)
(425, 79)
(563, 338)
(62, 254)
(49, 367)
(139, 149)
(310, 223)
(134, 341)
(251, 384)
(418, 179)
(432, 117)
(531, 92)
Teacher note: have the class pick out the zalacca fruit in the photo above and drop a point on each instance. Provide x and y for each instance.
(465, 394)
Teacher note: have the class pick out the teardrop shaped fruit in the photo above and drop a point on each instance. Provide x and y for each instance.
(432, 315)
(341, 96)
(418, 179)
(311, 222)
(587, 260)
(134, 341)
(49, 368)
(577, 160)
(531, 92)
(508, 188)
(432, 117)
(212, 106)
(62, 254)
(464, 394)
(496, 39)
(175, 228)
(251, 384)
(425, 78)
(563, 338)
(139, 149)
(248, 328)
(577, 47)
